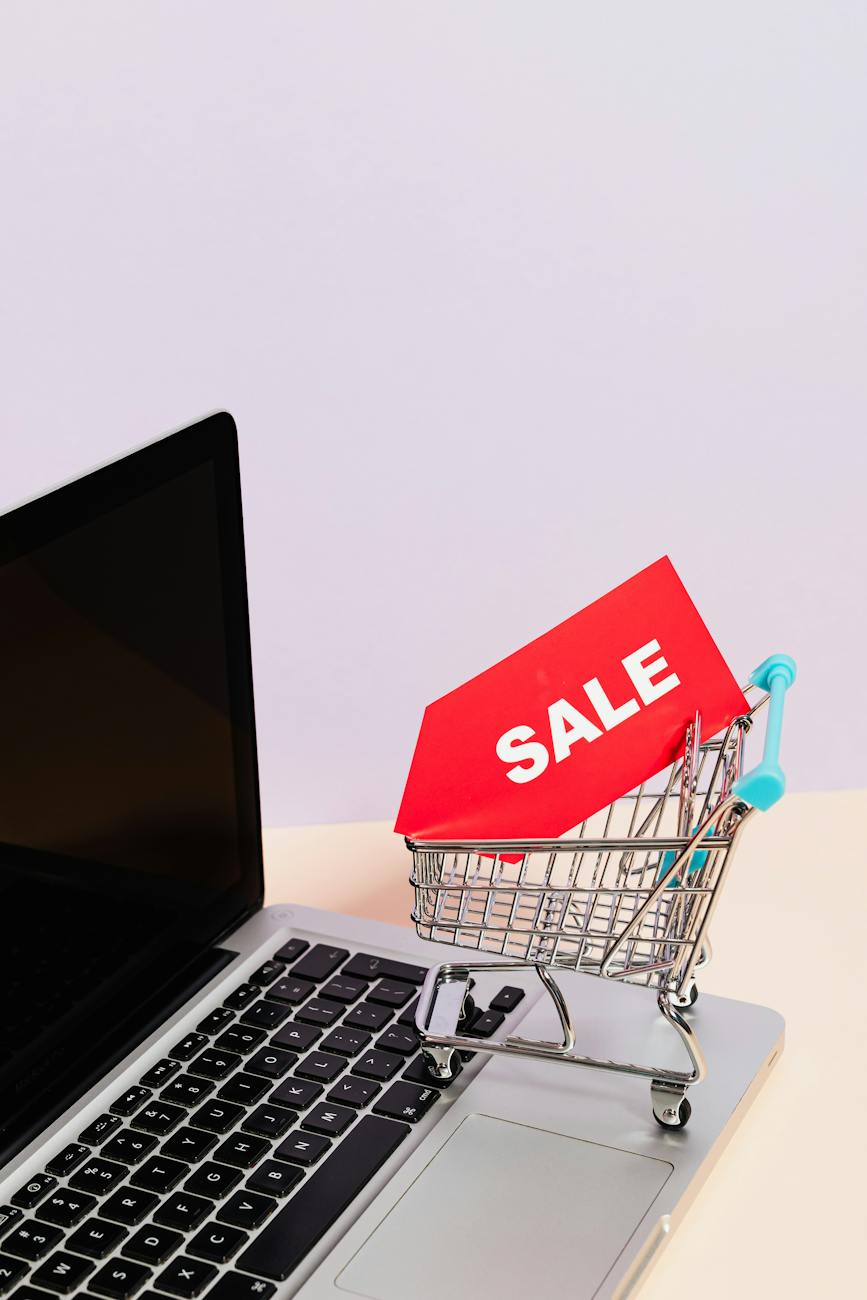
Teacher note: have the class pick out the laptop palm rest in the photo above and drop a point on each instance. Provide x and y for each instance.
(562, 1209)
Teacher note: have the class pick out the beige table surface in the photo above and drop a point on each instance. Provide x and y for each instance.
(785, 1210)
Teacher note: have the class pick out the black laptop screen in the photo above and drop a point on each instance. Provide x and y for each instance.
(129, 834)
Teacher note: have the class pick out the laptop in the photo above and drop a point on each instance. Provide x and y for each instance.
(200, 1096)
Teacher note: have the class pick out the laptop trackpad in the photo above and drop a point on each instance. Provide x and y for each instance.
(503, 1209)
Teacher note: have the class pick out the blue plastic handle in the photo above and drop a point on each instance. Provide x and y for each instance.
(766, 783)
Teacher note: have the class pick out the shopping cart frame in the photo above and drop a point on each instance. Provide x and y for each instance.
(686, 870)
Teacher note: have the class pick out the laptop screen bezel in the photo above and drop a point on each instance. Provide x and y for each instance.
(212, 441)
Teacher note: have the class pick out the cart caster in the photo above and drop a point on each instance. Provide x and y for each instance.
(439, 1062)
(683, 1001)
(671, 1109)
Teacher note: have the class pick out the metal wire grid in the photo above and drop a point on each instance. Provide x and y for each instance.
(567, 903)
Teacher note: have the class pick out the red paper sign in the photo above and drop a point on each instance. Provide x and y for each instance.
(574, 720)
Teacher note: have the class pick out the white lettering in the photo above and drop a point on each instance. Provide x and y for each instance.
(563, 738)
(511, 752)
(641, 673)
(609, 715)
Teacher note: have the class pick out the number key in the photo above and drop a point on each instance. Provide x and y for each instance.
(32, 1240)
(98, 1176)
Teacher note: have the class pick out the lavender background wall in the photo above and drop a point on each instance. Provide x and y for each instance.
(507, 300)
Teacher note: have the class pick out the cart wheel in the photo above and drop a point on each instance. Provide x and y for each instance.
(439, 1062)
(669, 1110)
(685, 1000)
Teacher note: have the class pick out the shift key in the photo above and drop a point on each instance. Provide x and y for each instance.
(330, 1190)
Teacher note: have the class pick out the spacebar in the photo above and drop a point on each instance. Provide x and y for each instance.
(281, 1246)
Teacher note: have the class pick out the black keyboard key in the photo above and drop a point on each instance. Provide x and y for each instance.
(418, 1072)
(238, 1286)
(215, 1065)
(246, 1210)
(96, 1238)
(271, 1062)
(187, 1090)
(66, 1208)
(266, 974)
(407, 1016)
(159, 1118)
(391, 993)
(217, 1242)
(397, 1038)
(183, 1211)
(319, 1011)
(368, 1016)
(186, 1049)
(27, 1292)
(348, 1042)
(486, 1023)
(303, 1148)
(246, 1089)
(98, 1176)
(9, 1215)
(319, 1065)
(129, 1147)
(378, 1065)
(33, 1191)
(321, 961)
(217, 1020)
(217, 1116)
(507, 998)
(129, 1103)
(341, 989)
(240, 1038)
(186, 1277)
(119, 1279)
(159, 1174)
(297, 1037)
(274, 1179)
(291, 950)
(212, 1180)
(296, 1093)
(290, 990)
(68, 1159)
(160, 1073)
(32, 1239)
(242, 996)
(11, 1270)
(406, 1101)
(101, 1128)
(368, 967)
(241, 1150)
(153, 1244)
(128, 1205)
(268, 1121)
(266, 1014)
(328, 1120)
(188, 1144)
(62, 1272)
(327, 1192)
(353, 1092)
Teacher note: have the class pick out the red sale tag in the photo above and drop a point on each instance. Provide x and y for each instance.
(573, 721)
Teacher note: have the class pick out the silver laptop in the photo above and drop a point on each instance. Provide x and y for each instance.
(202, 1097)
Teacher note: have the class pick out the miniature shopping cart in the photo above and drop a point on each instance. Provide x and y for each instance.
(630, 897)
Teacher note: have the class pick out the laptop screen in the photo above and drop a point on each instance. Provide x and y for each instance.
(129, 824)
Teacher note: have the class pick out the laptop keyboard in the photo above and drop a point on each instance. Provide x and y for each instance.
(242, 1146)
